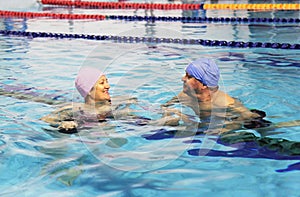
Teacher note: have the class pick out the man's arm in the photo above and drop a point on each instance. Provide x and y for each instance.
(168, 112)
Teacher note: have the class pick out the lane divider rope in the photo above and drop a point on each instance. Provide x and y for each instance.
(50, 15)
(251, 6)
(122, 5)
(131, 39)
(147, 18)
(167, 6)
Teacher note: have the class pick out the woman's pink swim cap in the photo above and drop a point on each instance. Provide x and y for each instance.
(86, 79)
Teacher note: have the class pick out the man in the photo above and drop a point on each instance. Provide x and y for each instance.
(214, 107)
(221, 114)
(94, 87)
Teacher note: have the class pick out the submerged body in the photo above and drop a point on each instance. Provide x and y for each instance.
(221, 114)
(71, 118)
(216, 109)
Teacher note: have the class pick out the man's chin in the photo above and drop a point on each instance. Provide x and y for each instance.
(188, 92)
(185, 90)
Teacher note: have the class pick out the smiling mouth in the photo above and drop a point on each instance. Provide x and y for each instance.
(106, 93)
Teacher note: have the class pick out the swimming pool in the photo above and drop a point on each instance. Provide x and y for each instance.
(38, 162)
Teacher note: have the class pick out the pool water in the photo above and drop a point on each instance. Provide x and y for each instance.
(120, 158)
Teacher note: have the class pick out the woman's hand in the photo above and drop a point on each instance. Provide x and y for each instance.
(68, 125)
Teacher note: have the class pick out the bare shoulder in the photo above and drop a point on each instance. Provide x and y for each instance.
(222, 99)
(65, 110)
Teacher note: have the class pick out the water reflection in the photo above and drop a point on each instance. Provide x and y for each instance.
(66, 164)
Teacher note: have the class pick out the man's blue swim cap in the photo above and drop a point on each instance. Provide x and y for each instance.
(204, 70)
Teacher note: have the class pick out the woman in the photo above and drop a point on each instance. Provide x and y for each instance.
(93, 86)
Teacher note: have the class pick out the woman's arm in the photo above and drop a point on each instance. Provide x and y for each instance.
(62, 119)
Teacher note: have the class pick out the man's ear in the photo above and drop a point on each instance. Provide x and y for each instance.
(203, 87)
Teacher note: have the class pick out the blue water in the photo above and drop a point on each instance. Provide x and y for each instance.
(39, 162)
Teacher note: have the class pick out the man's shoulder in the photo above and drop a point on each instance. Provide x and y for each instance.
(224, 99)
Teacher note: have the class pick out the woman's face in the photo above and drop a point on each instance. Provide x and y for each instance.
(100, 90)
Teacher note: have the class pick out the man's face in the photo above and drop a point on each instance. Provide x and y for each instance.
(191, 86)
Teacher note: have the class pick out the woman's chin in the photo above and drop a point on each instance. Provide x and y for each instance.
(104, 99)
